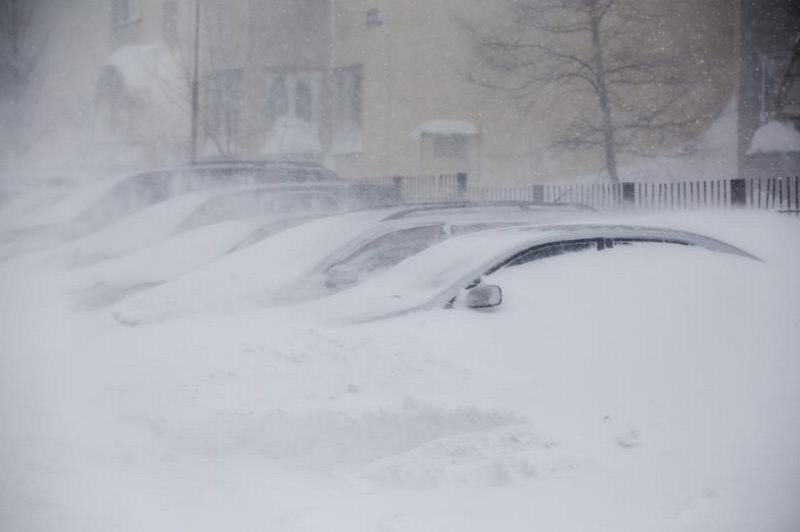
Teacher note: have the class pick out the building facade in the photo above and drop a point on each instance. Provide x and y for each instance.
(366, 87)
(769, 89)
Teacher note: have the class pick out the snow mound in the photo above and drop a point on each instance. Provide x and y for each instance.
(775, 137)
(487, 459)
(326, 438)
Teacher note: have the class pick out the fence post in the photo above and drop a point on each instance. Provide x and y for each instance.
(461, 185)
(738, 192)
(397, 183)
(537, 192)
(628, 194)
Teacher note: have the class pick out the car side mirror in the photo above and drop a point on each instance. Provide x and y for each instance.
(341, 276)
(484, 296)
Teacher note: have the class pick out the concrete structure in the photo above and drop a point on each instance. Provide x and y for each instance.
(769, 89)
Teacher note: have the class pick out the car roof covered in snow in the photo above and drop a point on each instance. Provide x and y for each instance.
(430, 278)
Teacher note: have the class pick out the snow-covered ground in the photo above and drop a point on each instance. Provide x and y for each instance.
(643, 388)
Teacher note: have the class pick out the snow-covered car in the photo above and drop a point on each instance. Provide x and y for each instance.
(151, 187)
(644, 383)
(462, 271)
(261, 209)
(175, 236)
(327, 255)
(405, 233)
(135, 192)
(110, 200)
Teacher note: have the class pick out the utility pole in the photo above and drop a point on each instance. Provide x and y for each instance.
(195, 83)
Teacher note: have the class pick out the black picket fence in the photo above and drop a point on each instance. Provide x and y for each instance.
(777, 194)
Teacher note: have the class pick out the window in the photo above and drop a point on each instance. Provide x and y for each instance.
(222, 111)
(348, 84)
(461, 229)
(111, 104)
(789, 97)
(387, 250)
(303, 101)
(292, 112)
(277, 100)
(772, 68)
(169, 22)
(554, 249)
(125, 12)
(450, 146)
(374, 18)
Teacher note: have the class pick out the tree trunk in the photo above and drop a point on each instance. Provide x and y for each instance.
(601, 89)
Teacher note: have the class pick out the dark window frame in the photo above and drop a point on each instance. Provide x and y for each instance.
(559, 247)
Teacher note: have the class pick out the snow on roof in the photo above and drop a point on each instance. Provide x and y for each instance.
(775, 137)
(445, 127)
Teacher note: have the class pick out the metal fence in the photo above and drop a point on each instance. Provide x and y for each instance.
(424, 188)
(777, 194)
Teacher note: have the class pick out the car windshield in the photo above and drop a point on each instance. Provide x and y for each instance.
(399, 265)
(387, 250)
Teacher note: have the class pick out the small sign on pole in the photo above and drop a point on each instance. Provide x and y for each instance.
(374, 18)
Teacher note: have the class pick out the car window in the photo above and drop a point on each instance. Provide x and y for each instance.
(463, 229)
(289, 203)
(554, 249)
(387, 250)
(269, 230)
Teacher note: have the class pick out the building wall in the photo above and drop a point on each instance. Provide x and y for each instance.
(418, 112)
(769, 32)
(416, 66)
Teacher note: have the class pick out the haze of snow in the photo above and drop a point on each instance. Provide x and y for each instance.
(649, 388)
(153, 73)
(712, 156)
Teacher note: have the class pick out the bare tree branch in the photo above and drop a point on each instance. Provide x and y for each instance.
(596, 46)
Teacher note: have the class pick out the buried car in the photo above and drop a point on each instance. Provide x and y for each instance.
(113, 199)
(147, 188)
(181, 234)
(258, 208)
(321, 257)
(175, 236)
(459, 272)
(408, 231)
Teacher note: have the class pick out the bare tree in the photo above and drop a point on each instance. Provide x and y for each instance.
(172, 77)
(218, 113)
(610, 64)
